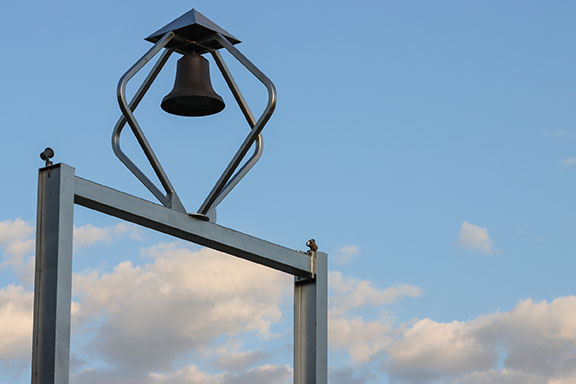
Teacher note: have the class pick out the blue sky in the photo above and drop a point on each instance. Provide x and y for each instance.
(429, 147)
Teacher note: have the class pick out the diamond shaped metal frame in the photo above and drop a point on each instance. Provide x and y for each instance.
(210, 43)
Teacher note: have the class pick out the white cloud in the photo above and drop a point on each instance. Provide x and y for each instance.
(188, 375)
(180, 301)
(362, 339)
(475, 238)
(510, 376)
(18, 248)
(429, 350)
(14, 237)
(502, 376)
(350, 375)
(533, 343)
(266, 374)
(183, 300)
(345, 254)
(19, 256)
(350, 293)
(539, 340)
(540, 337)
(14, 230)
(88, 234)
(16, 307)
(569, 378)
(232, 356)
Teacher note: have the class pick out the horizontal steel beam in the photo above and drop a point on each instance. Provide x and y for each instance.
(142, 212)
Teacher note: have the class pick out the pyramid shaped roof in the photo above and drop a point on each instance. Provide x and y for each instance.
(192, 27)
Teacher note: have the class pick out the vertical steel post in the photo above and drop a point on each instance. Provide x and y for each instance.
(53, 276)
(311, 324)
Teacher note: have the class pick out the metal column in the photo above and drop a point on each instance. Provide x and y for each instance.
(53, 277)
(311, 324)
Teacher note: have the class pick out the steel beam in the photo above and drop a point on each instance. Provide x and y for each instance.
(311, 324)
(53, 276)
(154, 216)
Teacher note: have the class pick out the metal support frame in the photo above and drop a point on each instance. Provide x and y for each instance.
(59, 189)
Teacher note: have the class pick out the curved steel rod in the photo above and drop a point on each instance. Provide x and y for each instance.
(252, 136)
(122, 122)
(259, 143)
(171, 199)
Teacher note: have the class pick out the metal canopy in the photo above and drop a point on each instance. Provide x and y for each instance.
(193, 27)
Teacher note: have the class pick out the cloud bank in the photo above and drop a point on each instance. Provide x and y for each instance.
(183, 300)
(142, 323)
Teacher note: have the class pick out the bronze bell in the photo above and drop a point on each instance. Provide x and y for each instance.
(192, 94)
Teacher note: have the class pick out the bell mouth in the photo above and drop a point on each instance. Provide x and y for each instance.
(192, 105)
